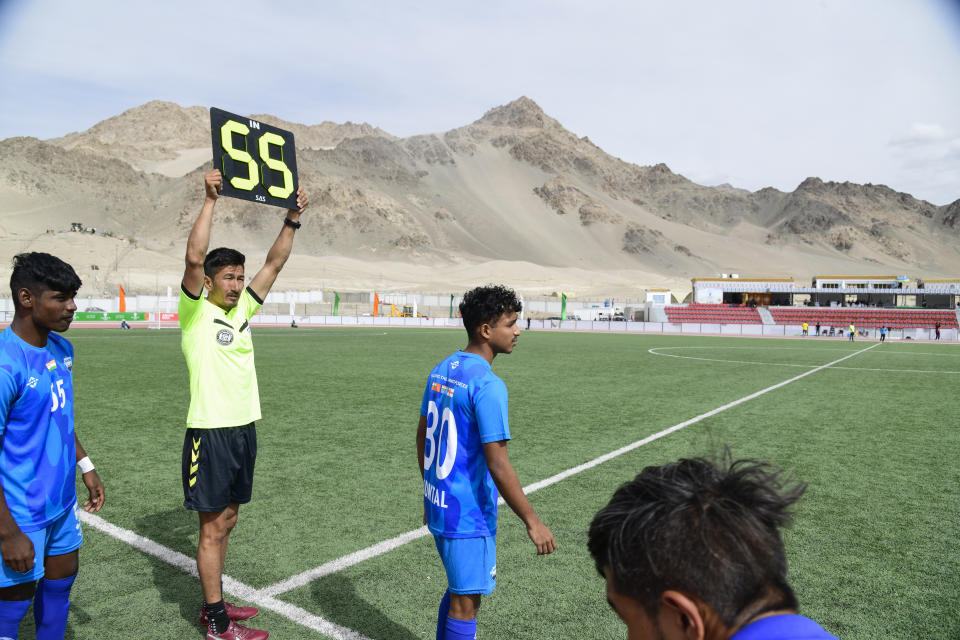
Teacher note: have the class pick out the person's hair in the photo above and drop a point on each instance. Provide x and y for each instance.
(705, 529)
(220, 258)
(40, 271)
(486, 305)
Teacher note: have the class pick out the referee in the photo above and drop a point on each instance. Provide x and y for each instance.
(220, 446)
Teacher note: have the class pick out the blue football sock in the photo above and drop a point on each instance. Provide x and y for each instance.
(461, 629)
(50, 607)
(11, 613)
(442, 616)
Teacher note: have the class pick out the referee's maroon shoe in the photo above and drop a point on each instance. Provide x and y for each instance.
(238, 632)
(233, 612)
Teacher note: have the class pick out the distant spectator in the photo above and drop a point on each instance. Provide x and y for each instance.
(692, 549)
(124, 324)
(818, 328)
(936, 330)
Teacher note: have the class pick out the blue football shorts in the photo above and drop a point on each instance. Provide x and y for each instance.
(61, 536)
(470, 563)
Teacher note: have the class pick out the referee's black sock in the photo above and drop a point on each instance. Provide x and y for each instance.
(217, 616)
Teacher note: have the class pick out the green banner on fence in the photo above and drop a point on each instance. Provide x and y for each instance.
(102, 316)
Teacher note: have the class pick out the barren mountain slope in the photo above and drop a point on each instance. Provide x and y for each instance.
(514, 187)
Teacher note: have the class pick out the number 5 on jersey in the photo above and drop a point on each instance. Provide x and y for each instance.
(59, 398)
(440, 430)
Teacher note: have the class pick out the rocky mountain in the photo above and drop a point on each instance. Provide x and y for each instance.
(513, 186)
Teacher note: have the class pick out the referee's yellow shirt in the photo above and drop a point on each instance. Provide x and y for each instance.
(218, 347)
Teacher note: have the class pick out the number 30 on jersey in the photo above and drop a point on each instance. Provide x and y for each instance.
(439, 426)
(258, 161)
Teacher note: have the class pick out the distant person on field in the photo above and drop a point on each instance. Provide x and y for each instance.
(462, 447)
(883, 334)
(220, 446)
(124, 324)
(818, 328)
(692, 550)
(804, 326)
(936, 329)
(853, 332)
(40, 534)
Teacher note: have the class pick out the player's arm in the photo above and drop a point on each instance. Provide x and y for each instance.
(509, 486)
(279, 252)
(199, 240)
(15, 547)
(422, 441)
(92, 481)
(421, 452)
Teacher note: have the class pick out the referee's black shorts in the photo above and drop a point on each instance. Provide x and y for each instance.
(218, 467)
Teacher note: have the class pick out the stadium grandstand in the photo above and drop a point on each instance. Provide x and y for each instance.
(867, 302)
(712, 313)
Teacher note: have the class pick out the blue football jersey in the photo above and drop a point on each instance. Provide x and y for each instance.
(37, 449)
(466, 406)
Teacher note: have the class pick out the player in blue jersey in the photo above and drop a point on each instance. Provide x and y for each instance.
(692, 549)
(462, 446)
(39, 526)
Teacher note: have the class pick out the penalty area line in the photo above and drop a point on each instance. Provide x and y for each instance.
(380, 548)
(230, 586)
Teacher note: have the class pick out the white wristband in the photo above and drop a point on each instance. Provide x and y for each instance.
(85, 465)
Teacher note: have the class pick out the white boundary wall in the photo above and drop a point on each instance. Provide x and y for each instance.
(592, 325)
(686, 328)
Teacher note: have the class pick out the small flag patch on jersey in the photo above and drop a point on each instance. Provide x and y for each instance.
(435, 386)
(447, 390)
(51, 365)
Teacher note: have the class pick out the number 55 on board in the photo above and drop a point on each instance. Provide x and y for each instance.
(258, 161)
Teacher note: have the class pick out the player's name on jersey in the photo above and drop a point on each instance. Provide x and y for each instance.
(442, 378)
(437, 498)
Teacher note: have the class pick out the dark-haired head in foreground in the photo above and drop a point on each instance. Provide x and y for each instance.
(692, 550)
(43, 287)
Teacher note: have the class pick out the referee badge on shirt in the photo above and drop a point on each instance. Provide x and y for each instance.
(224, 337)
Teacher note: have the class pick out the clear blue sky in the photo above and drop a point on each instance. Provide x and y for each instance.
(754, 92)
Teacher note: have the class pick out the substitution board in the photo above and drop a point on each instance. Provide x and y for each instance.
(258, 161)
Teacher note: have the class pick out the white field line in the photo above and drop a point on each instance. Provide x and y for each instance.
(346, 561)
(657, 352)
(388, 545)
(230, 586)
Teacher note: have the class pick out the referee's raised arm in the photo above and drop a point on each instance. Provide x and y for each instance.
(199, 239)
(280, 251)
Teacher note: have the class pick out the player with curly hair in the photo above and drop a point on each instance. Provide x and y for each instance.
(462, 447)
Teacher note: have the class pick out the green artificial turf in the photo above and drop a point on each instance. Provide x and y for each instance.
(872, 552)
